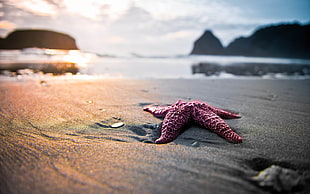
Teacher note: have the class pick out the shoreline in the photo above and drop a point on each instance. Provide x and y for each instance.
(38, 60)
(56, 135)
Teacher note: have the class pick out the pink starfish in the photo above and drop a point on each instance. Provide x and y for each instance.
(179, 114)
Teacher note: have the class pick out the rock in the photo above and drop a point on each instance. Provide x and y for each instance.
(288, 41)
(282, 41)
(20, 39)
(251, 69)
(208, 44)
(43, 83)
(195, 144)
(278, 178)
(117, 125)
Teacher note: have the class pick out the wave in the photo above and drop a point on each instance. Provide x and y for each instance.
(179, 66)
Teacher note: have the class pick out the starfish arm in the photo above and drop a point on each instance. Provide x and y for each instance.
(213, 122)
(173, 124)
(161, 111)
(225, 114)
(222, 113)
(158, 111)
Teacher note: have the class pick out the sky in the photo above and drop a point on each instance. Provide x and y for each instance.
(148, 27)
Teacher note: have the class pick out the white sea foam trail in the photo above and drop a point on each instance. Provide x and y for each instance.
(154, 67)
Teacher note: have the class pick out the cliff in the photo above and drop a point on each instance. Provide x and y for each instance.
(20, 39)
(284, 41)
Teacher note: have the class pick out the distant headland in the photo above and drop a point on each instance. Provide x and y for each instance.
(283, 41)
(20, 39)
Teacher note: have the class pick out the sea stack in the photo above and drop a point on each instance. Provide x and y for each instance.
(281, 41)
(207, 44)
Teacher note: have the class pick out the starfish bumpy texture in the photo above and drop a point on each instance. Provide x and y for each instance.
(177, 115)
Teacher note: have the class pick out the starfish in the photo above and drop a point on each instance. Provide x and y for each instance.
(177, 115)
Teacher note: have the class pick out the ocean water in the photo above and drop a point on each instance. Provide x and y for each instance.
(138, 67)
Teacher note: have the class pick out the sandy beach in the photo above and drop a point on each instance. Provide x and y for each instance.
(56, 136)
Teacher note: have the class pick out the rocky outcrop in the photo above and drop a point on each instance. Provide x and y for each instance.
(20, 39)
(251, 69)
(284, 41)
(208, 44)
(291, 41)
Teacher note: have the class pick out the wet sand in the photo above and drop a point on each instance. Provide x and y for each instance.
(55, 136)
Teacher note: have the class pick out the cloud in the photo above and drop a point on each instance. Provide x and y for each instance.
(116, 39)
(151, 26)
(177, 35)
(93, 9)
(7, 25)
(38, 7)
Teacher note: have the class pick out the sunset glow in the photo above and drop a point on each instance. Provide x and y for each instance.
(150, 27)
(6, 25)
(81, 59)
